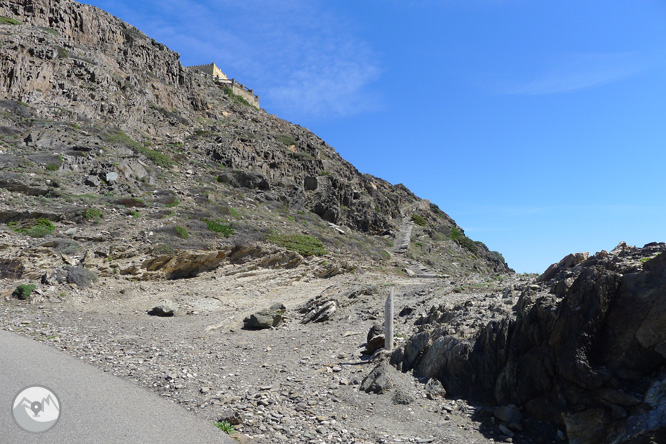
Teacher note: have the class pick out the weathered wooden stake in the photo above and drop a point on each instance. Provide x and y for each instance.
(388, 322)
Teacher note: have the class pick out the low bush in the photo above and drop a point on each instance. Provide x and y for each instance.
(300, 243)
(181, 232)
(156, 157)
(34, 228)
(24, 291)
(286, 140)
(92, 214)
(225, 426)
(419, 220)
(220, 228)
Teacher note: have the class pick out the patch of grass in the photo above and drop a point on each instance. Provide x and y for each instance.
(135, 213)
(130, 202)
(164, 250)
(9, 21)
(455, 234)
(286, 140)
(220, 228)
(170, 114)
(419, 220)
(48, 30)
(62, 52)
(156, 157)
(236, 98)
(35, 228)
(225, 427)
(302, 244)
(24, 291)
(53, 166)
(181, 232)
(92, 214)
(87, 197)
(175, 202)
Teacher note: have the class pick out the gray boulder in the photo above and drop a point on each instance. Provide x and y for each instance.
(270, 317)
(375, 339)
(165, 308)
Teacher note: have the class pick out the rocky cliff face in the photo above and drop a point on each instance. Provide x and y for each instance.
(98, 119)
(585, 349)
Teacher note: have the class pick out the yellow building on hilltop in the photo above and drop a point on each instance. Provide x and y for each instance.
(237, 88)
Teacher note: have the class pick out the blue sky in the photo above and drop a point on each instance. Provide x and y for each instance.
(539, 126)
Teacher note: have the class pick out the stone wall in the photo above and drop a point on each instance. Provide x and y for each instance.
(241, 90)
(237, 88)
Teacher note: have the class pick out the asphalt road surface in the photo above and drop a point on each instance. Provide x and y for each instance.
(95, 407)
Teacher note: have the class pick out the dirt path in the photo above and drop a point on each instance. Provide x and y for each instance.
(296, 383)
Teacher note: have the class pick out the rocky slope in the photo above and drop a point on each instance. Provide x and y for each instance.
(99, 122)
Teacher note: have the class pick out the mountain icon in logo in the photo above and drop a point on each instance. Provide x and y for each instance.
(36, 409)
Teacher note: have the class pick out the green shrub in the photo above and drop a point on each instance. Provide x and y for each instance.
(286, 140)
(164, 250)
(468, 243)
(217, 227)
(455, 233)
(225, 427)
(174, 202)
(419, 220)
(9, 21)
(39, 228)
(497, 255)
(24, 291)
(52, 167)
(135, 213)
(92, 214)
(156, 157)
(302, 244)
(181, 232)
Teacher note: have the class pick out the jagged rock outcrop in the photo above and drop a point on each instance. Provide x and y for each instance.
(585, 350)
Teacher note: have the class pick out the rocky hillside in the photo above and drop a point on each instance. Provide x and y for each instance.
(109, 146)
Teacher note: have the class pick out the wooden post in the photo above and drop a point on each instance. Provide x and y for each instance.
(388, 322)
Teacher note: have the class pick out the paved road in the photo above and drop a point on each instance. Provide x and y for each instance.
(95, 407)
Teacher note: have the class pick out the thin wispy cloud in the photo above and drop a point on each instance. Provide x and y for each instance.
(574, 72)
(301, 58)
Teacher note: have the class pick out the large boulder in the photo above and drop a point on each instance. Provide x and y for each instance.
(270, 317)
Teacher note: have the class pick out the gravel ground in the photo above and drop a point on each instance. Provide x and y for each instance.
(294, 383)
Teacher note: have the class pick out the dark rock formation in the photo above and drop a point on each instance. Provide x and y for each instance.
(586, 350)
